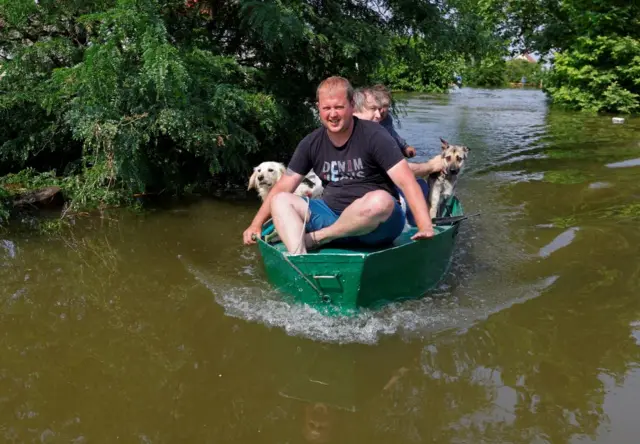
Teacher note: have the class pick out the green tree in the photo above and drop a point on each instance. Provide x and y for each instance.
(414, 64)
(119, 97)
(517, 69)
(126, 96)
(593, 45)
(600, 74)
(489, 71)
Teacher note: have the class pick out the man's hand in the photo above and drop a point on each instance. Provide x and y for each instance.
(248, 234)
(435, 164)
(424, 169)
(287, 183)
(409, 151)
(423, 234)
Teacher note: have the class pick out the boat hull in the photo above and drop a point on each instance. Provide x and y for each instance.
(342, 281)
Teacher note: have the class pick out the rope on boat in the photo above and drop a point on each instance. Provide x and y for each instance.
(323, 297)
(304, 224)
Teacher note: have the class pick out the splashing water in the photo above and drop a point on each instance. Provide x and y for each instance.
(415, 318)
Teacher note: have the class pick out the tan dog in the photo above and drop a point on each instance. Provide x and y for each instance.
(442, 185)
(266, 175)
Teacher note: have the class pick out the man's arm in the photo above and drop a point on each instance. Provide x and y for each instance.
(397, 168)
(403, 177)
(406, 149)
(287, 183)
(424, 169)
(388, 124)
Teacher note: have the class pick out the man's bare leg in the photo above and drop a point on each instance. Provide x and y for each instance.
(361, 217)
(288, 213)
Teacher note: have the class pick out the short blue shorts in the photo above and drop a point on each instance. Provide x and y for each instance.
(323, 216)
(425, 190)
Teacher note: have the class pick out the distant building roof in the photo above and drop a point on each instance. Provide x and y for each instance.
(526, 56)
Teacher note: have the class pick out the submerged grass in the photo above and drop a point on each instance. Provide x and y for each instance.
(565, 177)
(617, 213)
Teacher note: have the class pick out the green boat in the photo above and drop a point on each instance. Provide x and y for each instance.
(341, 281)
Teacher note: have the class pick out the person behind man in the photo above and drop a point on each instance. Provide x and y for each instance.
(369, 106)
(366, 105)
(383, 96)
(359, 167)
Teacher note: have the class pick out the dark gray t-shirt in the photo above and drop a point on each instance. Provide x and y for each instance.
(350, 171)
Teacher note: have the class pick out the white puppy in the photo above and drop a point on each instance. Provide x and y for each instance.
(266, 175)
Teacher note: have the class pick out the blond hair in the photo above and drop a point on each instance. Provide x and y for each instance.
(335, 82)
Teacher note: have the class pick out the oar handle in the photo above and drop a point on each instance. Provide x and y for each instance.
(451, 220)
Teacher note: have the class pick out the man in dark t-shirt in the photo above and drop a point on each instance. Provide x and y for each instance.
(350, 171)
(359, 169)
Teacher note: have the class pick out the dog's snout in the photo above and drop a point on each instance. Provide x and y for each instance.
(260, 177)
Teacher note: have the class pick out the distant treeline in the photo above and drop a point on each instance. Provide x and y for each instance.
(501, 73)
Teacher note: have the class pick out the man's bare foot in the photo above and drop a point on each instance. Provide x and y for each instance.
(310, 241)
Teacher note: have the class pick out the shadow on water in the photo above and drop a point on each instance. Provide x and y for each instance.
(162, 328)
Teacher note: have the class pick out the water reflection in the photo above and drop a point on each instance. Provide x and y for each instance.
(517, 377)
(625, 164)
(562, 240)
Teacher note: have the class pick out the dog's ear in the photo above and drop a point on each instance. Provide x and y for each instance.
(252, 180)
(444, 143)
(466, 149)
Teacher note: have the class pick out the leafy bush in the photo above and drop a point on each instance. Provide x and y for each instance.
(594, 45)
(4, 205)
(599, 74)
(413, 64)
(119, 97)
(515, 70)
(489, 72)
(123, 97)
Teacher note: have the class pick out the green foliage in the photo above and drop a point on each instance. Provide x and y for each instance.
(4, 205)
(126, 96)
(413, 64)
(161, 96)
(13, 185)
(457, 32)
(593, 44)
(555, 25)
(498, 72)
(489, 72)
(601, 74)
(515, 70)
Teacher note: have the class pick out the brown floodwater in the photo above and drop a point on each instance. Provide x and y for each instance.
(161, 327)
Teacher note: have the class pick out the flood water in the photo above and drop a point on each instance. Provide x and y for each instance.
(161, 327)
